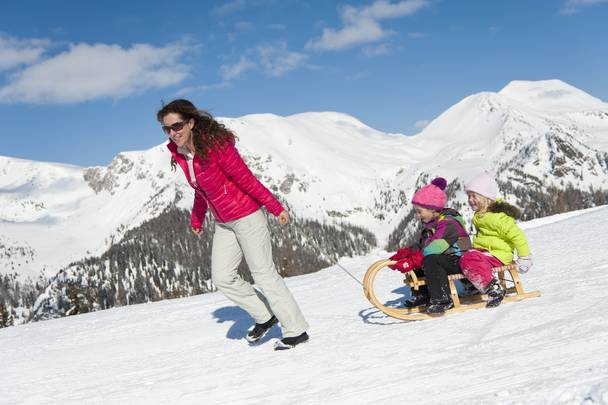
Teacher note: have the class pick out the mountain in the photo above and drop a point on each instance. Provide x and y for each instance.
(545, 350)
(347, 187)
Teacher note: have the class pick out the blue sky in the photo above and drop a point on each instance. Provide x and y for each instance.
(80, 81)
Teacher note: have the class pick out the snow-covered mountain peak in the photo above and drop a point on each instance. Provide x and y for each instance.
(38, 191)
(552, 96)
(478, 130)
(128, 167)
(496, 131)
(336, 119)
(316, 143)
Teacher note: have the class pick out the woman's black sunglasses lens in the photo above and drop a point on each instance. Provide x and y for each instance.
(176, 127)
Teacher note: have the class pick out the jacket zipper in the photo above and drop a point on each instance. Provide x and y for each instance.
(195, 181)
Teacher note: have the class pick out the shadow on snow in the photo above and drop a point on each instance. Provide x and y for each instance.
(241, 323)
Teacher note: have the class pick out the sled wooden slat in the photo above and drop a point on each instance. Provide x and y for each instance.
(514, 292)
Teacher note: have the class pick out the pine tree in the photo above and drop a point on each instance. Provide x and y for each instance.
(74, 300)
(6, 319)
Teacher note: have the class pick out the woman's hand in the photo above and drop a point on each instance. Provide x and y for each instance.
(283, 218)
(198, 232)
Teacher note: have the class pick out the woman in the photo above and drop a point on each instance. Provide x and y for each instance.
(205, 150)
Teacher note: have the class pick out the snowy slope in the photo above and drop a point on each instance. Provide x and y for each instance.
(547, 350)
(328, 166)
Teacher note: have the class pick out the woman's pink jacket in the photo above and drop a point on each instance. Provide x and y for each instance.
(225, 184)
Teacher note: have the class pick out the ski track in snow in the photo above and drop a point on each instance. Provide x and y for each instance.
(547, 350)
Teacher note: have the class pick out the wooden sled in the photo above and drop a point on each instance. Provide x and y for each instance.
(515, 292)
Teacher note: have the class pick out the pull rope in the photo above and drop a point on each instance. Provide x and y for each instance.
(349, 273)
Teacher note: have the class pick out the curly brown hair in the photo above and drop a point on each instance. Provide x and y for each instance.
(207, 133)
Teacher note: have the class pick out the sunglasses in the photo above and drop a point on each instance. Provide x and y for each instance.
(177, 126)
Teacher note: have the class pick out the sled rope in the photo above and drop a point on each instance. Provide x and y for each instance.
(349, 273)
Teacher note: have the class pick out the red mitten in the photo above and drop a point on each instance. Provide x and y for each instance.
(416, 258)
(404, 265)
(401, 254)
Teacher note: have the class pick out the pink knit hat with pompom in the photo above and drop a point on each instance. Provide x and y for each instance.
(432, 195)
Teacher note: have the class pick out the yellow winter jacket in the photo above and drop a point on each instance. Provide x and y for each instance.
(498, 233)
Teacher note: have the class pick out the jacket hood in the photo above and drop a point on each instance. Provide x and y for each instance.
(499, 206)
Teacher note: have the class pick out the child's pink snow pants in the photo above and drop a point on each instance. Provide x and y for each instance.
(477, 265)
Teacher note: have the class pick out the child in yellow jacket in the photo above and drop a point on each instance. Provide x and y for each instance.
(497, 237)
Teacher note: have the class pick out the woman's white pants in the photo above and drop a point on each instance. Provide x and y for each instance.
(249, 236)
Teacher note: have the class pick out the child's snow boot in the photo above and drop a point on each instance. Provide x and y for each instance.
(439, 306)
(496, 293)
(418, 298)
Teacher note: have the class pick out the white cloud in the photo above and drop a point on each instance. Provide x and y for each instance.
(15, 52)
(276, 60)
(382, 49)
(235, 6)
(573, 6)
(361, 25)
(364, 31)
(234, 71)
(197, 89)
(230, 7)
(272, 59)
(87, 72)
(422, 124)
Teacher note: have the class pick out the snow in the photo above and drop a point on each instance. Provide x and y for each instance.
(554, 96)
(547, 350)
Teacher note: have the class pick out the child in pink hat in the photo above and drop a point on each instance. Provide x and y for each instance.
(442, 242)
(497, 236)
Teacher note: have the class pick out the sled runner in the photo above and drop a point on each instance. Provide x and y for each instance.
(507, 276)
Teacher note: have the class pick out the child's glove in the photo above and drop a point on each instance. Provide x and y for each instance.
(524, 264)
(401, 254)
(406, 260)
(417, 259)
(403, 265)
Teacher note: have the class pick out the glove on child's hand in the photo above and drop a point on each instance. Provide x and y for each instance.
(524, 264)
(401, 254)
(406, 260)
(417, 257)
(404, 265)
